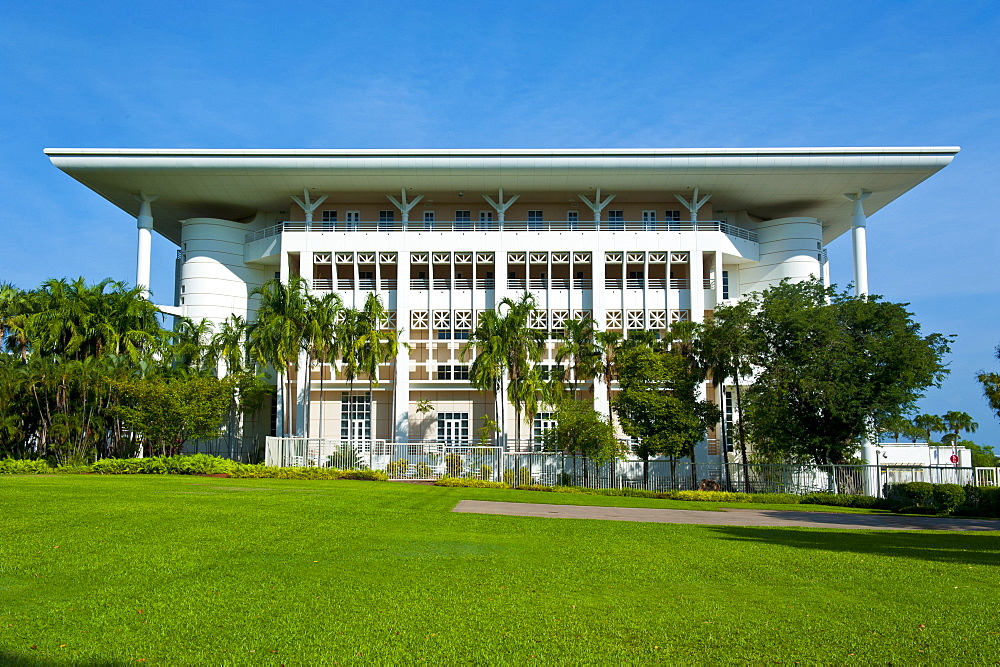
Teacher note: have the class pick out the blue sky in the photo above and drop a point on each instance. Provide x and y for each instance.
(521, 74)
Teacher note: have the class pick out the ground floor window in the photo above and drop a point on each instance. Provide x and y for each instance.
(355, 418)
(453, 428)
(544, 421)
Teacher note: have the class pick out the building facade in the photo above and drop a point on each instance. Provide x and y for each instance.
(635, 239)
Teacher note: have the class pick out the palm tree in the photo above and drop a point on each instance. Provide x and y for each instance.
(609, 342)
(580, 347)
(929, 424)
(322, 341)
(374, 346)
(487, 370)
(958, 421)
(522, 348)
(725, 355)
(277, 336)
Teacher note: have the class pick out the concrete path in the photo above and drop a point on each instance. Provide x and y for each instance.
(729, 517)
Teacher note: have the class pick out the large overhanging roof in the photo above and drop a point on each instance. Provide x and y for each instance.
(767, 182)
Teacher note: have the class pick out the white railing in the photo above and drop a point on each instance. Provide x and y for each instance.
(433, 460)
(420, 226)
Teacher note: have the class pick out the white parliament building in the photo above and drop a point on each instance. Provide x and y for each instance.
(637, 239)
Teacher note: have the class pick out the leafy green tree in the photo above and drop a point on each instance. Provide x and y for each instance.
(991, 386)
(658, 403)
(830, 366)
(168, 411)
(983, 456)
(580, 429)
(486, 372)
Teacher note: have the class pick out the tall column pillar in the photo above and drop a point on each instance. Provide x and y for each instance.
(859, 239)
(401, 378)
(600, 315)
(144, 221)
(696, 269)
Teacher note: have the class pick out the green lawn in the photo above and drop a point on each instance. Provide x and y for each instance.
(181, 570)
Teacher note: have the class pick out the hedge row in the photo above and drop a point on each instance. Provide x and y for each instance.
(927, 498)
(193, 464)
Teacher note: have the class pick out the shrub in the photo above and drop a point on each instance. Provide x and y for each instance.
(397, 468)
(484, 472)
(911, 493)
(982, 500)
(520, 477)
(453, 464)
(261, 471)
(10, 466)
(947, 497)
(117, 466)
(470, 483)
(423, 470)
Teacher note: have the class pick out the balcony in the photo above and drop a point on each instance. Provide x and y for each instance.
(413, 226)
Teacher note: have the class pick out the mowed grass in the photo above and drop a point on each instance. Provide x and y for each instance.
(180, 570)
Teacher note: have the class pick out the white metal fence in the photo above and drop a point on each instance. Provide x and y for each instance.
(433, 460)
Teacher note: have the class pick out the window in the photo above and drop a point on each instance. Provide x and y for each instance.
(635, 280)
(428, 221)
(352, 220)
(544, 421)
(453, 372)
(572, 219)
(616, 220)
(727, 425)
(366, 280)
(453, 428)
(672, 216)
(385, 220)
(355, 418)
(725, 284)
(648, 221)
(485, 220)
(462, 219)
(535, 220)
(329, 216)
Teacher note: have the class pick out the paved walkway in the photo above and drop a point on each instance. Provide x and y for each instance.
(729, 517)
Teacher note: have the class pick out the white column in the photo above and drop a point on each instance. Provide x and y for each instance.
(693, 205)
(696, 267)
(597, 205)
(718, 279)
(308, 206)
(144, 221)
(859, 240)
(404, 206)
(401, 393)
(600, 315)
(500, 206)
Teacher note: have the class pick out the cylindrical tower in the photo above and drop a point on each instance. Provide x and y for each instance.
(215, 282)
(789, 248)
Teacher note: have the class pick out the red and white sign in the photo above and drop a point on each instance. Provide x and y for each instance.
(954, 458)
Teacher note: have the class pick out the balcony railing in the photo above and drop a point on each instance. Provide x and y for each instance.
(389, 284)
(413, 226)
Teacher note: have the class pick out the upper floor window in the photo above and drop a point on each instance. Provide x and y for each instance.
(428, 221)
(672, 216)
(534, 220)
(573, 219)
(725, 284)
(616, 220)
(329, 216)
(462, 219)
